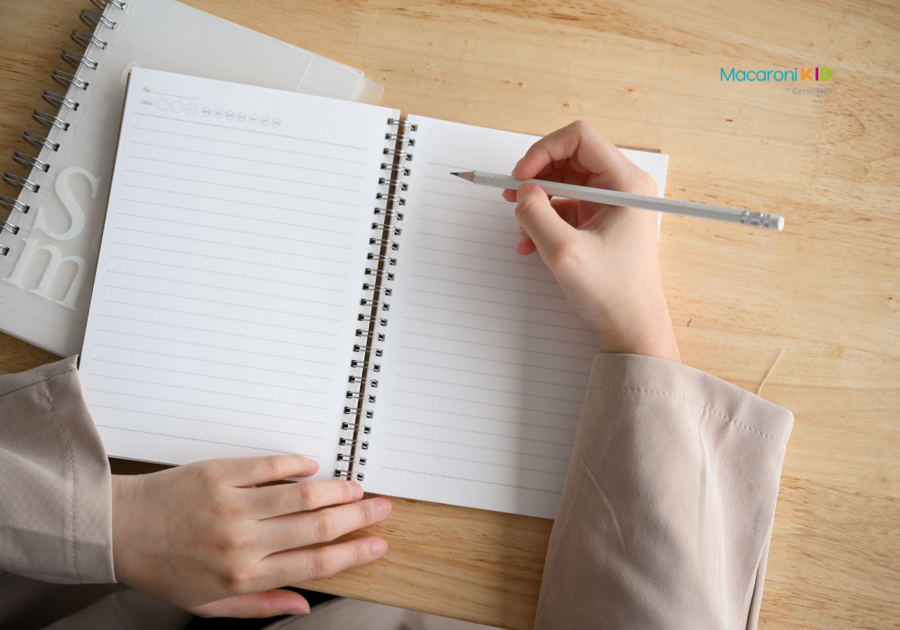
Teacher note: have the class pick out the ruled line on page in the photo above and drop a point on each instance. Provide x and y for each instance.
(176, 356)
(240, 231)
(468, 387)
(181, 437)
(479, 199)
(478, 402)
(267, 206)
(205, 391)
(475, 461)
(580, 388)
(238, 129)
(498, 332)
(502, 435)
(231, 409)
(219, 213)
(206, 345)
(484, 448)
(191, 297)
(480, 228)
(246, 159)
(458, 168)
(517, 363)
(482, 214)
(212, 286)
(517, 306)
(231, 334)
(490, 345)
(231, 319)
(226, 273)
(253, 146)
(216, 378)
(511, 319)
(493, 483)
(257, 190)
(466, 415)
(491, 287)
(222, 170)
(230, 245)
(482, 271)
(224, 424)
(238, 260)
(469, 240)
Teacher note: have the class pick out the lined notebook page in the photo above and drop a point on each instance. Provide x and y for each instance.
(487, 363)
(230, 271)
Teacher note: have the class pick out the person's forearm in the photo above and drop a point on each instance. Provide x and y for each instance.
(55, 519)
(668, 504)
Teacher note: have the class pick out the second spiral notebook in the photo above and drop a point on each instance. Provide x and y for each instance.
(282, 272)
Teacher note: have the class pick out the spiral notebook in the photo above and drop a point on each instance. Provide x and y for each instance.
(320, 284)
(49, 241)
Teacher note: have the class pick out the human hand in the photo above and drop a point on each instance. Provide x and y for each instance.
(604, 257)
(203, 538)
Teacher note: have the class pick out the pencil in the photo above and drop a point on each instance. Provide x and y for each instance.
(616, 198)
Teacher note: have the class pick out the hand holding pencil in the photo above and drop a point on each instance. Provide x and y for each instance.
(604, 257)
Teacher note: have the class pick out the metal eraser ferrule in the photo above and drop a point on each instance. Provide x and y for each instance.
(762, 220)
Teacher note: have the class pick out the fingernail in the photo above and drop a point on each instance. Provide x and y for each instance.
(524, 189)
(516, 167)
(379, 546)
(384, 507)
(522, 240)
(357, 491)
(300, 610)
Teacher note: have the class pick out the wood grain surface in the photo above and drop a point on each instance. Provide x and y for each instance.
(647, 74)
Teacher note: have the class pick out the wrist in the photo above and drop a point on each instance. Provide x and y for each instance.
(646, 331)
(122, 492)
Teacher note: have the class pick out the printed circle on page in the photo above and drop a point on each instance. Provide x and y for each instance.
(177, 107)
(253, 118)
(190, 109)
(242, 116)
(207, 111)
(276, 122)
(217, 113)
(229, 115)
(264, 120)
(162, 104)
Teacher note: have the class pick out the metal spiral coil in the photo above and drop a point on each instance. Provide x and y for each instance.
(385, 230)
(34, 163)
(14, 204)
(49, 120)
(59, 100)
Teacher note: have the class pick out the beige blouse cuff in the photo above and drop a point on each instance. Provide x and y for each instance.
(55, 520)
(668, 504)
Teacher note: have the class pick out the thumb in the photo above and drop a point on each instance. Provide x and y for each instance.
(266, 604)
(541, 221)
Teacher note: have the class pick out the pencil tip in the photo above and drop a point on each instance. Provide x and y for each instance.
(457, 174)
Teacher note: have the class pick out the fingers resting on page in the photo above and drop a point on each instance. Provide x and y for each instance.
(604, 257)
(205, 538)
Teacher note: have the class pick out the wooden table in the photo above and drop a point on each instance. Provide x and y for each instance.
(826, 291)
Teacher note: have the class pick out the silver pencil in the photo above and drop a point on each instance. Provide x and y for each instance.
(615, 198)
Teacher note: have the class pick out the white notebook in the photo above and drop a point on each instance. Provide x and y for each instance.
(49, 242)
(292, 289)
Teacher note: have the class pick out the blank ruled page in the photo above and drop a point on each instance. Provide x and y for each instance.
(487, 362)
(229, 277)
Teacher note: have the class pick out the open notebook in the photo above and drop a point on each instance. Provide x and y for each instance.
(289, 273)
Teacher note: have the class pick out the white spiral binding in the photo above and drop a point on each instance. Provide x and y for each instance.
(373, 317)
(70, 82)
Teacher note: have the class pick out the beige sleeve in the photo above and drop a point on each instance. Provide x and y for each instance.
(667, 511)
(55, 506)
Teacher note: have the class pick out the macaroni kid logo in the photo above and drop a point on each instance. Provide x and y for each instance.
(814, 74)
